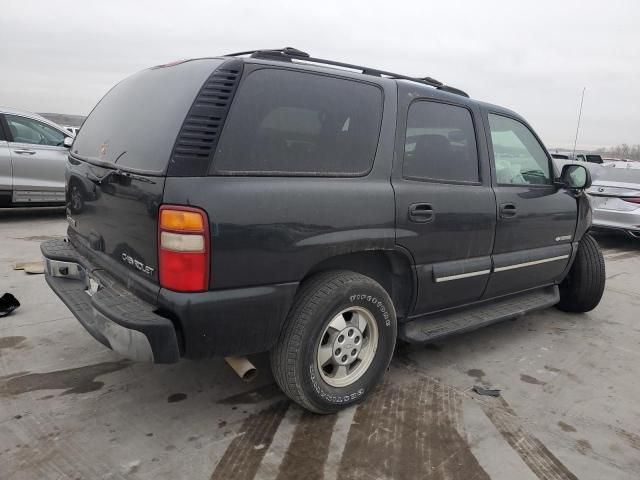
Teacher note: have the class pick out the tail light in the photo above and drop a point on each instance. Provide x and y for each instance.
(631, 199)
(183, 244)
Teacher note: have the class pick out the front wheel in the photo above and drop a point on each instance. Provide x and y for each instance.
(336, 343)
(583, 287)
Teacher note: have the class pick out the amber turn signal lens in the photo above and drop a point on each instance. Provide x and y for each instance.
(181, 221)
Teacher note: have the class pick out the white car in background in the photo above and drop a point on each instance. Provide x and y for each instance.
(33, 157)
(73, 130)
(614, 195)
(615, 198)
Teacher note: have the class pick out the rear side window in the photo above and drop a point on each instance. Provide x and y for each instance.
(440, 143)
(292, 123)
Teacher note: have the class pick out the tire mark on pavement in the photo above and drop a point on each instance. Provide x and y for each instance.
(307, 453)
(409, 431)
(242, 458)
(532, 451)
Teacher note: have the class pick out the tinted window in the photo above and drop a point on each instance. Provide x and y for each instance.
(519, 157)
(27, 130)
(137, 122)
(294, 123)
(594, 158)
(440, 143)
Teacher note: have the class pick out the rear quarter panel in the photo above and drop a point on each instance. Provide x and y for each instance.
(267, 230)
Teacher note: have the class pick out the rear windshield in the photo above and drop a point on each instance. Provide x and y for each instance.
(293, 123)
(594, 158)
(135, 125)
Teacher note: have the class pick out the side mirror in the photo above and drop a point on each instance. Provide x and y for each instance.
(576, 177)
(68, 141)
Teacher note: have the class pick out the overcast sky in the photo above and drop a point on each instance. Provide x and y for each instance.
(534, 57)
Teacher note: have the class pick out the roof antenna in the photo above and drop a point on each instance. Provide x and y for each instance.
(578, 127)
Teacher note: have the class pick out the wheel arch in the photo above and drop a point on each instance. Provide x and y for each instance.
(392, 269)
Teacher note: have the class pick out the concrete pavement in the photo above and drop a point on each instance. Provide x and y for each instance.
(70, 408)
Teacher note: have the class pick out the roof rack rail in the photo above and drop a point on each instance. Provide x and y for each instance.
(288, 54)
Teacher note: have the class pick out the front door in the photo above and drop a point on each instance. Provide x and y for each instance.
(536, 219)
(445, 207)
(39, 157)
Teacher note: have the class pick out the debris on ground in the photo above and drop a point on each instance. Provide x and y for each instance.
(30, 267)
(491, 392)
(8, 303)
(34, 268)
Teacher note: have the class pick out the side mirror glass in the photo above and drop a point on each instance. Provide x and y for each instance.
(576, 177)
(68, 141)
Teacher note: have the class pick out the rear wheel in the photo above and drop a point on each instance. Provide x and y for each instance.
(583, 287)
(336, 343)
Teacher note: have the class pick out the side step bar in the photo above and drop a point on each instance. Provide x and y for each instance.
(423, 330)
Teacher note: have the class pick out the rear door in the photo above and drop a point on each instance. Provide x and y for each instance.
(445, 207)
(536, 219)
(39, 157)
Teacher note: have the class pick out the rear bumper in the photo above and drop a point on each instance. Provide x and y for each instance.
(109, 312)
(622, 221)
(193, 325)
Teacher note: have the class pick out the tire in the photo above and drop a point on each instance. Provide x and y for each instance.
(313, 330)
(583, 287)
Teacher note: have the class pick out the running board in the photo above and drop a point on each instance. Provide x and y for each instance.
(424, 330)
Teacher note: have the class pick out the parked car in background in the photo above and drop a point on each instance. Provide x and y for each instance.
(589, 157)
(33, 155)
(580, 157)
(622, 164)
(615, 200)
(71, 129)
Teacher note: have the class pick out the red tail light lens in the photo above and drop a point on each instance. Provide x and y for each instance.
(631, 199)
(183, 245)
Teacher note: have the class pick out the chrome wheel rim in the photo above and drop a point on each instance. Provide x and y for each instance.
(347, 346)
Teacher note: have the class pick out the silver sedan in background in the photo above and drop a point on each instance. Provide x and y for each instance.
(614, 196)
(33, 156)
(615, 200)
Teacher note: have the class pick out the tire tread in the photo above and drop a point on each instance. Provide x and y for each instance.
(283, 356)
(582, 290)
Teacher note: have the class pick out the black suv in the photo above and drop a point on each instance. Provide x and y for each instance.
(270, 201)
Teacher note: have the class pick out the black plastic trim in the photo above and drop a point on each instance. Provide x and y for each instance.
(198, 138)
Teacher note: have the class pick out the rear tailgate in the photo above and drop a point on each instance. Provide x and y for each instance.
(117, 167)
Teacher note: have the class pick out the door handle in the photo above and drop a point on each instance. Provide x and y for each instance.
(25, 152)
(421, 212)
(508, 210)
